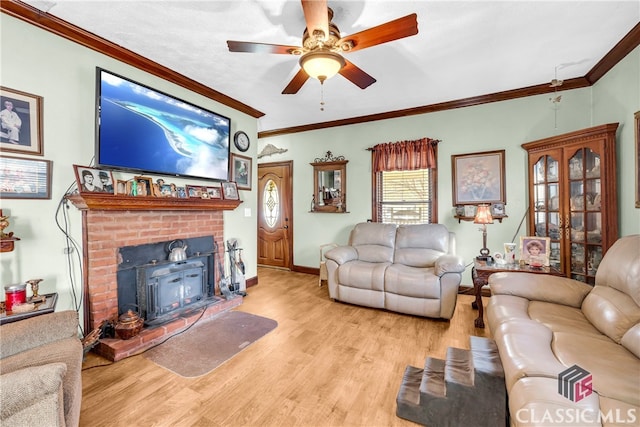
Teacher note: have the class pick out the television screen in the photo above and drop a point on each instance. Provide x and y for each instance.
(141, 129)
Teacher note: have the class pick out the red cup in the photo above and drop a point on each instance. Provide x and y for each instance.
(14, 295)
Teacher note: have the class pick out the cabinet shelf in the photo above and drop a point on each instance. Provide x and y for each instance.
(110, 202)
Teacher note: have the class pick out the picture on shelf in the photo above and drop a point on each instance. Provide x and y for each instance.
(535, 250)
(230, 191)
(92, 180)
(497, 209)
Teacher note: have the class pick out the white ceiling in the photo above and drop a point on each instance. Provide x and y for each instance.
(463, 48)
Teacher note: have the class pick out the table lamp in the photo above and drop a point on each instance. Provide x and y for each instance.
(483, 216)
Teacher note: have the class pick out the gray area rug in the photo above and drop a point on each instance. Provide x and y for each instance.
(209, 344)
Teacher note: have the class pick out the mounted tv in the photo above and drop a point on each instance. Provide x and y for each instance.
(140, 129)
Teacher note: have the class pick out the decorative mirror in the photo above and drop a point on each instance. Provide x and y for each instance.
(329, 184)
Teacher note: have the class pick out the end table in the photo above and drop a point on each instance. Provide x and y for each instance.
(480, 274)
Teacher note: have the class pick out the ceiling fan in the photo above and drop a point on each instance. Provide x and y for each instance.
(322, 46)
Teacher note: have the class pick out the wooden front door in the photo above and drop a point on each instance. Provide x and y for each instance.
(275, 208)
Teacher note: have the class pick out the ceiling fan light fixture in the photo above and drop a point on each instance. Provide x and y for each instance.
(322, 64)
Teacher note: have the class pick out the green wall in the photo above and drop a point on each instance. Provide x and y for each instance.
(501, 125)
(63, 73)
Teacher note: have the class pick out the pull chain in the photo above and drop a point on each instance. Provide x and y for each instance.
(321, 95)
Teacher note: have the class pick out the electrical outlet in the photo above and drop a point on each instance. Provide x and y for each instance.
(67, 251)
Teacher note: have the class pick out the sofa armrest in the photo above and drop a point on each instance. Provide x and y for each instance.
(33, 395)
(342, 254)
(449, 264)
(540, 287)
(36, 331)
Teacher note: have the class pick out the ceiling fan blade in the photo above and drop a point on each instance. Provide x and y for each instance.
(253, 47)
(392, 30)
(296, 83)
(356, 76)
(317, 16)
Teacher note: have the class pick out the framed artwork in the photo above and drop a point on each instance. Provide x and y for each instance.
(215, 192)
(20, 122)
(497, 209)
(92, 180)
(535, 250)
(123, 187)
(194, 191)
(230, 191)
(478, 178)
(25, 178)
(637, 131)
(241, 171)
(143, 186)
(181, 192)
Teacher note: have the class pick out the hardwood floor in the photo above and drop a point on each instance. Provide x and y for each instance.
(326, 364)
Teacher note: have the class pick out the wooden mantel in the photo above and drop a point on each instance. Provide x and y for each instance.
(110, 202)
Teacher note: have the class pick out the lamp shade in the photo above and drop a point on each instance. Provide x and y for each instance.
(483, 215)
(322, 64)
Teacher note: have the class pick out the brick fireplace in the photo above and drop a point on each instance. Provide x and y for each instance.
(112, 222)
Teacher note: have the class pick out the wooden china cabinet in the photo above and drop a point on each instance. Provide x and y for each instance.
(573, 198)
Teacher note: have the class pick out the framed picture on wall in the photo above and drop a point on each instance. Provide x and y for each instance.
(25, 178)
(20, 122)
(478, 178)
(241, 171)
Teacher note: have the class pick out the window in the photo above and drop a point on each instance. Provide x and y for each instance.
(405, 197)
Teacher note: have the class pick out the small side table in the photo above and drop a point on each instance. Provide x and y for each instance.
(48, 306)
(480, 274)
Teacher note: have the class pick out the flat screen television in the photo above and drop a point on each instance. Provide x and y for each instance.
(140, 129)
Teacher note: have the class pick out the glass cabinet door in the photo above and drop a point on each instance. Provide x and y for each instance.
(585, 216)
(546, 197)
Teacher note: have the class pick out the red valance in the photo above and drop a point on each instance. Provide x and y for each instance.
(405, 155)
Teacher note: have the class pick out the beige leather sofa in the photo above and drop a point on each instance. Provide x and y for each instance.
(41, 367)
(410, 269)
(544, 325)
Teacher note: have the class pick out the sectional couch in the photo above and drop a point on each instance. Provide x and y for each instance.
(571, 351)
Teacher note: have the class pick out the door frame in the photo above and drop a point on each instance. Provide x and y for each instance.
(289, 164)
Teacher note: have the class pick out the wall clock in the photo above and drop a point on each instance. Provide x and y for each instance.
(241, 141)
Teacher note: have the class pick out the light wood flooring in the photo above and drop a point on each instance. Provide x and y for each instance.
(326, 364)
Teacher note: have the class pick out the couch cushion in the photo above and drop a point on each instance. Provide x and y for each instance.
(525, 351)
(631, 340)
(536, 402)
(615, 370)
(611, 311)
(420, 245)
(412, 282)
(620, 268)
(374, 241)
(363, 275)
(561, 318)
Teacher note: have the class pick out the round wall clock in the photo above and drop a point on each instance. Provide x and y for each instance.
(241, 141)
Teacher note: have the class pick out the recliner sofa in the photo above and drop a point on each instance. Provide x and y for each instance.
(409, 269)
(544, 325)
